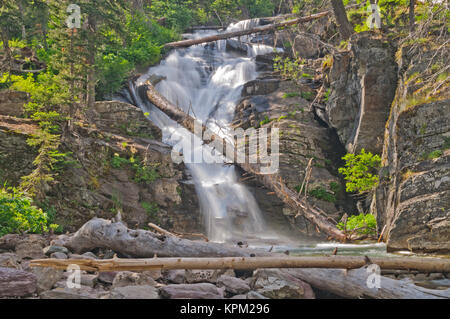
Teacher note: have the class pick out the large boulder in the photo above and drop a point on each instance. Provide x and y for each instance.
(276, 284)
(47, 277)
(233, 285)
(16, 283)
(9, 260)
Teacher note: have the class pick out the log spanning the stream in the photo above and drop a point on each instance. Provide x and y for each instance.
(240, 263)
(228, 35)
(266, 28)
(289, 197)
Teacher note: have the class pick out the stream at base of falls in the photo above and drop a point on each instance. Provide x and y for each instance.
(206, 81)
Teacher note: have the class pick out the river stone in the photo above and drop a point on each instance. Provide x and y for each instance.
(275, 284)
(9, 260)
(31, 248)
(47, 277)
(88, 280)
(128, 278)
(255, 295)
(55, 249)
(197, 276)
(176, 276)
(237, 46)
(134, 292)
(191, 291)
(58, 255)
(233, 285)
(9, 242)
(90, 255)
(16, 283)
(70, 293)
(107, 277)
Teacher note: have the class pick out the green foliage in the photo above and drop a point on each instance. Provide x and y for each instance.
(431, 155)
(322, 194)
(152, 210)
(360, 171)
(290, 95)
(327, 95)
(265, 121)
(287, 68)
(307, 95)
(361, 224)
(18, 214)
(143, 172)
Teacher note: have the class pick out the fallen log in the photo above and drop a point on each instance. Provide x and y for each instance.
(100, 233)
(289, 197)
(240, 263)
(145, 244)
(265, 28)
(234, 34)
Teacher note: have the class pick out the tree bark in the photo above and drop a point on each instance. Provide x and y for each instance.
(412, 18)
(289, 197)
(345, 28)
(241, 263)
(145, 244)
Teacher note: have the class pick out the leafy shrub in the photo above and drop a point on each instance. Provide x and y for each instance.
(361, 224)
(323, 194)
(360, 171)
(18, 214)
(288, 69)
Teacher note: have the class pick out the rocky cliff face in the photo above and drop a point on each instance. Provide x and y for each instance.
(413, 197)
(98, 179)
(362, 82)
(269, 102)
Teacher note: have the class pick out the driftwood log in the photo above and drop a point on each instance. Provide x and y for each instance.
(269, 27)
(145, 244)
(100, 233)
(240, 263)
(289, 197)
(228, 35)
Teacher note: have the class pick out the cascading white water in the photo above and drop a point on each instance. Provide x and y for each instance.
(206, 82)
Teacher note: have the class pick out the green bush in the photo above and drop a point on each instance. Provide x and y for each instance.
(18, 214)
(361, 224)
(360, 171)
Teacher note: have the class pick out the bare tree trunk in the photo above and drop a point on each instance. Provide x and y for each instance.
(240, 263)
(412, 18)
(289, 197)
(90, 78)
(345, 28)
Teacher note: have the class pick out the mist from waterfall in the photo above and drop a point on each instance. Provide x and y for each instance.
(206, 81)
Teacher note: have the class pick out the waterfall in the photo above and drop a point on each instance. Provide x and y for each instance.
(206, 81)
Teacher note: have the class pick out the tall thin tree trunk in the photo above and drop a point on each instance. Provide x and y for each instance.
(412, 18)
(345, 28)
(90, 78)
